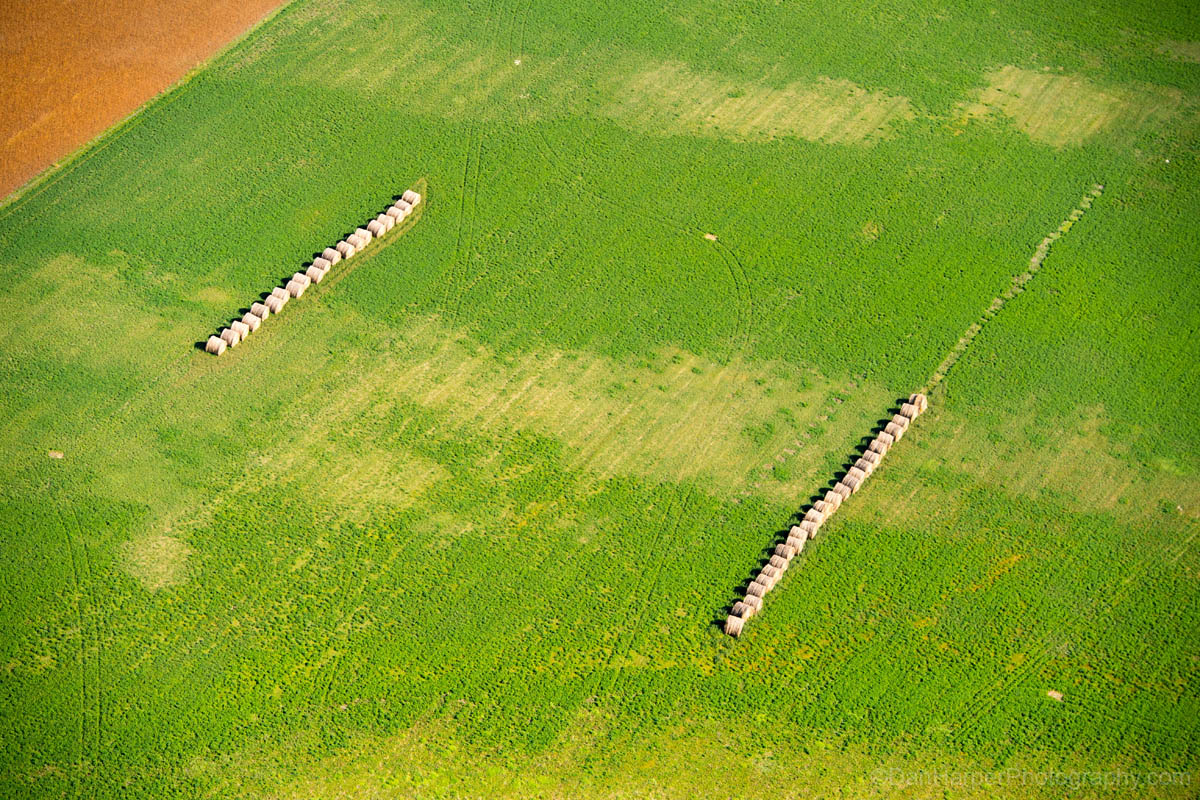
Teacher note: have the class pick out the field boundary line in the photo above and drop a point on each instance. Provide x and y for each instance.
(1015, 287)
(60, 169)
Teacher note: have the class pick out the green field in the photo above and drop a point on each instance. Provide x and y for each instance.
(465, 522)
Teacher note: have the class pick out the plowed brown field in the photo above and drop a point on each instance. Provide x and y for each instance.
(69, 68)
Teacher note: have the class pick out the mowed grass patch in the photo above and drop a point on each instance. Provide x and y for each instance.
(1063, 110)
(414, 762)
(1182, 51)
(1069, 457)
(157, 561)
(425, 61)
(672, 99)
(673, 416)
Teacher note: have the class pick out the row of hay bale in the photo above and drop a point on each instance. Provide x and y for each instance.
(346, 249)
(821, 511)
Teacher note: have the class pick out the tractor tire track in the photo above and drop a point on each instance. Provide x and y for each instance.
(468, 208)
(76, 591)
(1103, 606)
(610, 677)
(98, 639)
(739, 279)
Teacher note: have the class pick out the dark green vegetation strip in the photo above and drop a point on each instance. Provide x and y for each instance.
(489, 494)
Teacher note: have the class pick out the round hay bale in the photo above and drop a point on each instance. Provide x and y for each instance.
(877, 447)
(345, 249)
(274, 304)
(376, 228)
(301, 278)
(833, 499)
(356, 241)
(920, 401)
(251, 321)
(315, 274)
(796, 543)
(322, 263)
(774, 573)
(743, 609)
(396, 214)
(857, 473)
(873, 457)
(363, 233)
(215, 345)
(796, 530)
(260, 310)
(404, 206)
(779, 562)
(853, 483)
(842, 489)
(810, 529)
(756, 589)
(331, 255)
(866, 466)
(909, 410)
(824, 507)
(734, 625)
(230, 336)
(812, 515)
(785, 551)
(411, 197)
(886, 438)
(295, 288)
(281, 293)
(754, 602)
(893, 430)
(902, 421)
(242, 329)
(767, 580)
(387, 222)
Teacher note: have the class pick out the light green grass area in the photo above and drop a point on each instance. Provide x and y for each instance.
(465, 519)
